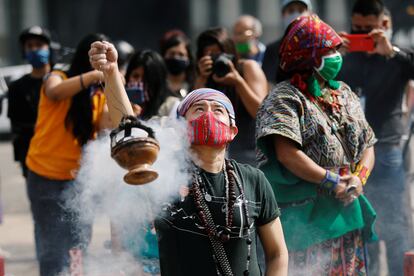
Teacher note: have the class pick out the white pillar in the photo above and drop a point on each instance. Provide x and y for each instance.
(4, 33)
(199, 16)
(335, 14)
(32, 13)
(3, 18)
(228, 11)
(269, 13)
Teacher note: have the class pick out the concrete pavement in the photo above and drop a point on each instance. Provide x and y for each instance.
(16, 231)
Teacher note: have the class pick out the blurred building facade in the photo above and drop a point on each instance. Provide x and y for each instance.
(143, 22)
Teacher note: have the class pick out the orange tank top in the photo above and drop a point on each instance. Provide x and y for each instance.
(54, 152)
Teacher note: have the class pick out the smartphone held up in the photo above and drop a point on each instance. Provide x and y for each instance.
(360, 42)
(136, 93)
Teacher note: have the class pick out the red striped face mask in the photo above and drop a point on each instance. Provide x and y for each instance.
(209, 131)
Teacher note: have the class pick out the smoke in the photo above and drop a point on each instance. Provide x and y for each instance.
(101, 190)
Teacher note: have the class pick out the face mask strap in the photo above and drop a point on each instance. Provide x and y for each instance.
(323, 60)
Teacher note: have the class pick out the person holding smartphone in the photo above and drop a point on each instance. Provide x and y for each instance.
(380, 76)
(146, 85)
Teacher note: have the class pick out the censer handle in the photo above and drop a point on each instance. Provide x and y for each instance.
(128, 122)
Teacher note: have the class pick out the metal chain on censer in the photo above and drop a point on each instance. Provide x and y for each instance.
(218, 234)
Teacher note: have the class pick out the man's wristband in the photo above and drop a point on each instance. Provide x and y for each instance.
(330, 181)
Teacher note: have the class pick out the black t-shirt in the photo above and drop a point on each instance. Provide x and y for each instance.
(382, 82)
(271, 61)
(23, 98)
(23, 101)
(184, 247)
(243, 147)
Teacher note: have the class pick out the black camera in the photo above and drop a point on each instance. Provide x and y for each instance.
(221, 65)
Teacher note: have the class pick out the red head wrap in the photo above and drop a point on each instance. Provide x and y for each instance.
(308, 38)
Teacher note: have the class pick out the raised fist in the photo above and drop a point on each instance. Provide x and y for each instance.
(103, 56)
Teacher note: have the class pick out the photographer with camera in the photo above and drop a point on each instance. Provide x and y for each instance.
(243, 81)
(379, 72)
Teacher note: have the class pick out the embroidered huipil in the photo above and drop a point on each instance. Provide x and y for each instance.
(309, 216)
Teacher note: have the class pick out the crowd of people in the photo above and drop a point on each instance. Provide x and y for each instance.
(296, 147)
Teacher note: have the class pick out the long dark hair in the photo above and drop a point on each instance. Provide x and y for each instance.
(174, 38)
(219, 36)
(79, 116)
(154, 79)
(368, 7)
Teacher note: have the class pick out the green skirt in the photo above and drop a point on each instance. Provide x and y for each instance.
(308, 217)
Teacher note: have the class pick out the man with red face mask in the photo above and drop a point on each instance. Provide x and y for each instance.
(212, 229)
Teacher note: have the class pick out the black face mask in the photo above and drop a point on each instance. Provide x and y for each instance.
(176, 66)
(360, 31)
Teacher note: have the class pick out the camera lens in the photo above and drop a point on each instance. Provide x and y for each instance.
(221, 65)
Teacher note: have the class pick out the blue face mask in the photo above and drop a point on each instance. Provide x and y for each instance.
(38, 58)
(136, 93)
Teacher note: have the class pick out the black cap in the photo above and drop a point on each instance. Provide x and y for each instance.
(125, 51)
(36, 32)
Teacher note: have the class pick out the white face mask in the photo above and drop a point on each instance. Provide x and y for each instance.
(289, 18)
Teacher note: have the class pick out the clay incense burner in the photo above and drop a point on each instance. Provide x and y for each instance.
(134, 148)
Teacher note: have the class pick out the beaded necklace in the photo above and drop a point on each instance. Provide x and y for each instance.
(221, 234)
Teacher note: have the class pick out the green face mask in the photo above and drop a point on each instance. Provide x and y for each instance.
(330, 66)
(243, 47)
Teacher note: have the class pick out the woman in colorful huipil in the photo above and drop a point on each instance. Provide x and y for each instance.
(316, 149)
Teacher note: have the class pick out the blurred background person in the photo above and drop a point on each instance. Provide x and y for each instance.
(146, 85)
(125, 51)
(383, 109)
(242, 80)
(407, 108)
(175, 48)
(23, 94)
(388, 27)
(246, 33)
(71, 112)
(291, 9)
